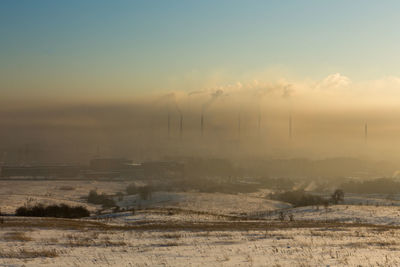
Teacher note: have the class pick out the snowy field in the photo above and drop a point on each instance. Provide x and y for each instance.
(51, 243)
(196, 229)
(382, 215)
(14, 194)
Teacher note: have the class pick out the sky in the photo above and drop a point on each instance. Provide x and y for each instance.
(97, 49)
(76, 74)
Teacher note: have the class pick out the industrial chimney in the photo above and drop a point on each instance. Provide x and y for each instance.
(239, 125)
(181, 127)
(169, 127)
(202, 124)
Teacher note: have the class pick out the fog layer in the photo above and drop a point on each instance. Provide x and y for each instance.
(279, 119)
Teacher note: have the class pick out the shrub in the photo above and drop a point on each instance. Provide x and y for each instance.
(298, 198)
(57, 211)
(102, 199)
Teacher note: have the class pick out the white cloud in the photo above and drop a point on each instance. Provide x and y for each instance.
(334, 81)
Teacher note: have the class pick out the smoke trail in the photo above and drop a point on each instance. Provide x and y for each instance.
(287, 91)
(214, 96)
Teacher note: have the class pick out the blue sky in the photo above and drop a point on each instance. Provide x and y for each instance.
(70, 48)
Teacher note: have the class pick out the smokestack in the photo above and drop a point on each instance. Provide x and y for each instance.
(239, 121)
(98, 151)
(290, 127)
(366, 132)
(181, 127)
(169, 128)
(202, 124)
(26, 154)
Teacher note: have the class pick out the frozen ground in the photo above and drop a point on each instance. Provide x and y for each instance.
(14, 194)
(196, 229)
(216, 203)
(372, 199)
(384, 215)
(48, 243)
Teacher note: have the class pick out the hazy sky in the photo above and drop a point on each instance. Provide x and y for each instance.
(115, 49)
(121, 68)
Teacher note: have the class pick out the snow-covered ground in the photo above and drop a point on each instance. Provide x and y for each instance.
(166, 230)
(372, 199)
(320, 246)
(216, 203)
(14, 194)
(383, 215)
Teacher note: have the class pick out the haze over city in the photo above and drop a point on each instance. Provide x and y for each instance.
(188, 133)
(108, 74)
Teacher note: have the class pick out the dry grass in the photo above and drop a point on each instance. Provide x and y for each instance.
(92, 240)
(111, 243)
(172, 236)
(106, 241)
(85, 225)
(66, 188)
(16, 236)
(54, 223)
(51, 241)
(384, 243)
(74, 240)
(226, 242)
(26, 254)
(167, 244)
